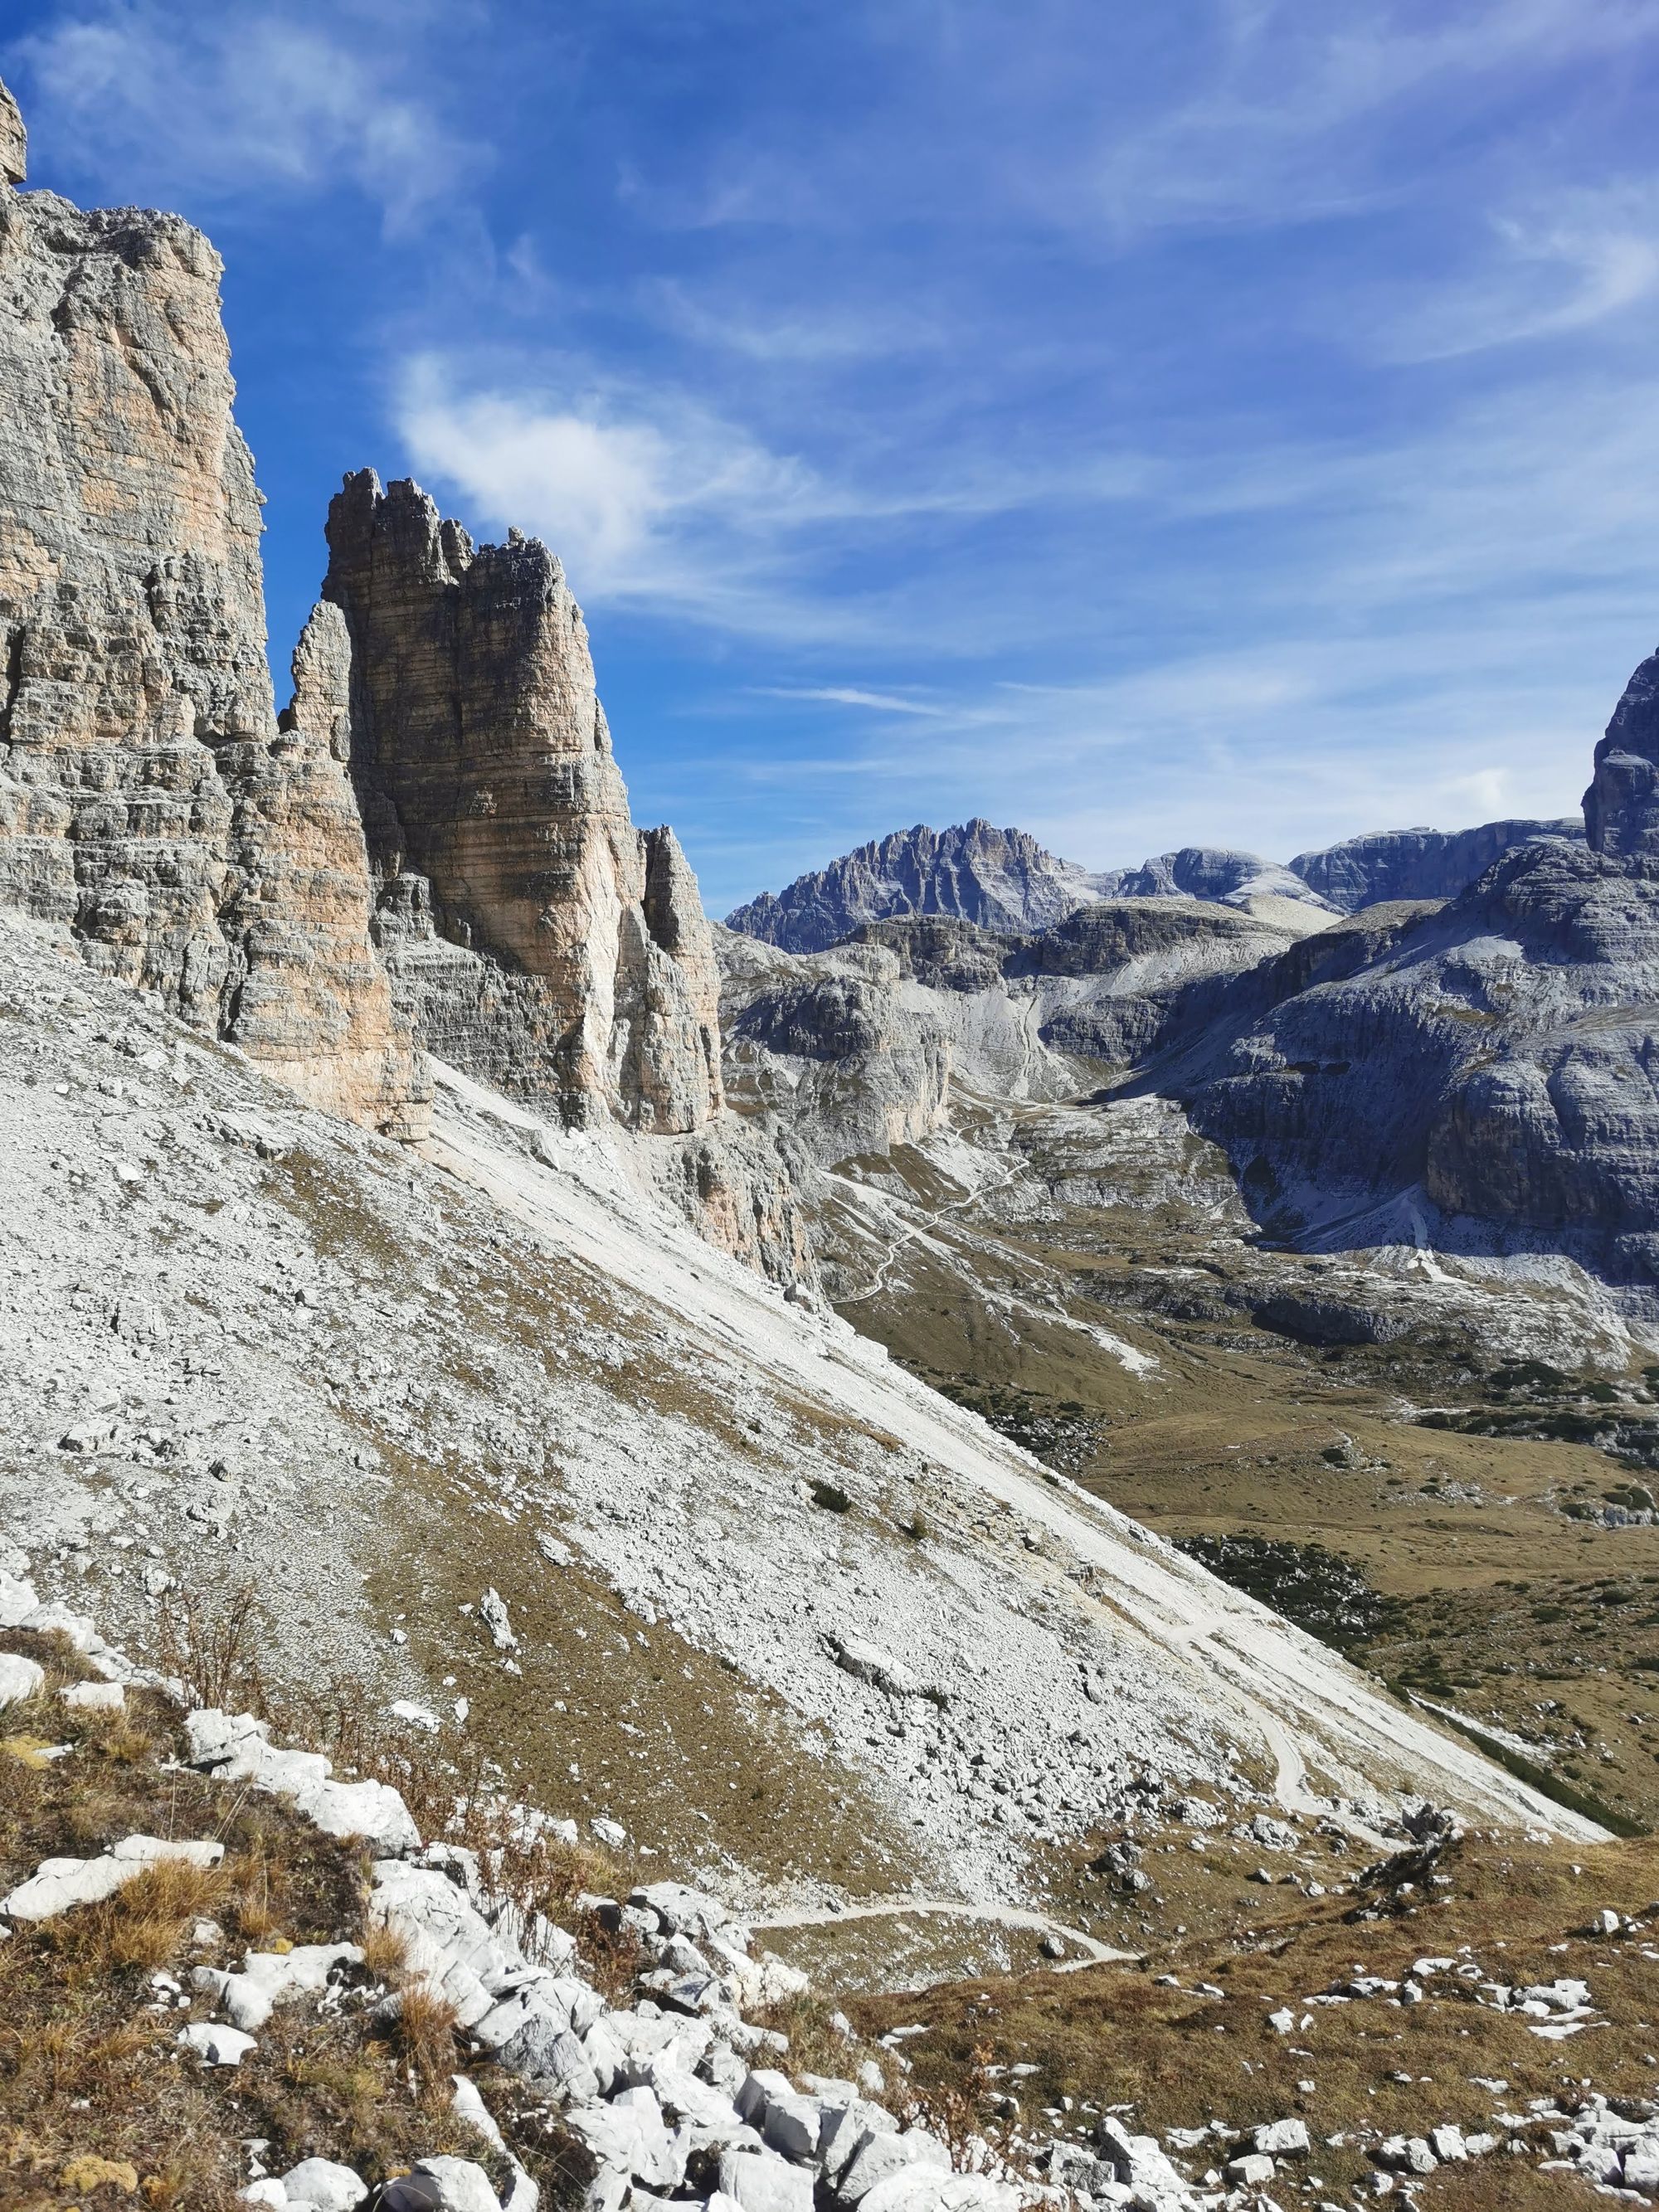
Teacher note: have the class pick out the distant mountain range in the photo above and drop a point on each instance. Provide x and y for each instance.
(1004, 881)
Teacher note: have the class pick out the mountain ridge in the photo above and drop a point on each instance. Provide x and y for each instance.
(1004, 881)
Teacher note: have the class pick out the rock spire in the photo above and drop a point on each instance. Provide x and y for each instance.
(150, 805)
(1621, 807)
(539, 940)
(14, 141)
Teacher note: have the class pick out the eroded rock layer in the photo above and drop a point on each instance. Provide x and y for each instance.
(150, 805)
(541, 942)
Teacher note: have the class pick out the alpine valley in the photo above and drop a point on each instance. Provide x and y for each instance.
(982, 1540)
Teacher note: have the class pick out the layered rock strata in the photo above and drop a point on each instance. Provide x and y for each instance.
(999, 879)
(150, 805)
(1621, 807)
(1487, 1075)
(539, 940)
(1416, 863)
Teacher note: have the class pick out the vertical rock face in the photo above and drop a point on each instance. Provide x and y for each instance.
(1621, 807)
(14, 141)
(538, 939)
(149, 802)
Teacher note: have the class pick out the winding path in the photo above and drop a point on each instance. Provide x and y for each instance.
(1001, 1915)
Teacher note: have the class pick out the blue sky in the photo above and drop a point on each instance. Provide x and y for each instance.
(1219, 421)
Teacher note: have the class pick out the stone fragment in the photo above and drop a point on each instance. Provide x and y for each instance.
(268, 1978)
(492, 1606)
(459, 2184)
(57, 1885)
(20, 1677)
(325, 2183)
(216, 2044)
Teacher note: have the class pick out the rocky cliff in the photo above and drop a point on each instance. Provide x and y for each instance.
(150, 805)
(537, 939)
(1621, 807)
(1002, 880)
(999, 879)
(1416, 863)
(1220, 875)
(1486, 1076)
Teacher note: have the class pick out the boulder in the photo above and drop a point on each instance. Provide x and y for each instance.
(879, 2155)
(1280, 2138)
(321, 2182)
(59, 1884)
(459, 2183)
(756, 2181)
(20, 1677)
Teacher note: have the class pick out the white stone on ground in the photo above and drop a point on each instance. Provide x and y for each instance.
(322, 2182)
(20, 1677)
(59, 1884)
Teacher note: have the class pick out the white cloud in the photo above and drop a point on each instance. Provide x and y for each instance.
(642, 495)
(842, 695)
(1297, 114)
(1554, 269)
(231, 104)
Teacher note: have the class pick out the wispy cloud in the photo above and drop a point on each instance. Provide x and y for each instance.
(234, 104)
(842, 695)
(1544, 273)
(1298, 114)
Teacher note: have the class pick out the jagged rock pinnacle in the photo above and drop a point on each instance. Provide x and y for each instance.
(1621, 807)
(13, 141)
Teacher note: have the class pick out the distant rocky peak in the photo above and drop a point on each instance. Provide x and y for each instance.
(999, 879)
(1621, 807)
(13, 141)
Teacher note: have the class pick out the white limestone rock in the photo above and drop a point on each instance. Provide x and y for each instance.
(268, 1978)
(20, 1677)
(58, 1885)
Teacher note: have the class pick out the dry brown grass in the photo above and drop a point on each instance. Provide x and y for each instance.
(385, 1952)
(423, 2033)
(1112, 2036)
(146, 1924)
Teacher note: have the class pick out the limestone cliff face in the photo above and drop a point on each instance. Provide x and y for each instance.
(150, 805)
(538, 939)
(999, 879)
(1416, 863)
(1621, 807)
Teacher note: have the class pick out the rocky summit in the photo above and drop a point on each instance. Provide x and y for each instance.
(999, 879)
(569, 1631)
(1002, 880)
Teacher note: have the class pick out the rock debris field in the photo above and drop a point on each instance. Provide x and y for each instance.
(265, 1349)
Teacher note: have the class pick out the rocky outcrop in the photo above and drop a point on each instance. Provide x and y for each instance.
(998, 879)
(1621, 807)
(150, 805)
(1211, 873)
(1416, 863)
(14, 141)
(1484, 1078)
(536, 939)
(831, 1048)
